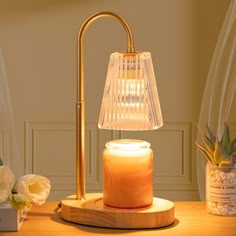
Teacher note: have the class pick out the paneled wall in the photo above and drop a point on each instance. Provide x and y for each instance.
(174, 174)
(38, 41)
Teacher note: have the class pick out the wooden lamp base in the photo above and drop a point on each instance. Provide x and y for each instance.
(93, 212)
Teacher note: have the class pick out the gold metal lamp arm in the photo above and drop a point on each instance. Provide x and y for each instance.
(80, 104)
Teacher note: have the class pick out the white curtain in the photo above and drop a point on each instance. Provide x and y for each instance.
(220, 87)
(8, 146)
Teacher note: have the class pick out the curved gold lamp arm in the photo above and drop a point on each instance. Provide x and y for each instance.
(80, 106)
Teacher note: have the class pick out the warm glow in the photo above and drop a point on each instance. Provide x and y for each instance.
(130, 99)
(128, 174)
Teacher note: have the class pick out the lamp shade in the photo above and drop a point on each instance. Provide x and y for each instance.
(130, 100)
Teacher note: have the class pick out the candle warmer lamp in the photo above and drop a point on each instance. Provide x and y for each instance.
(130, 102)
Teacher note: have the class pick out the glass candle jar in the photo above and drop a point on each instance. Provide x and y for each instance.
(127, 174)
(221, 190)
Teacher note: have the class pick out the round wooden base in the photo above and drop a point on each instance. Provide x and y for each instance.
(93, 212)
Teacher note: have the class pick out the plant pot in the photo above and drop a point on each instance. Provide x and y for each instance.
(221, 190)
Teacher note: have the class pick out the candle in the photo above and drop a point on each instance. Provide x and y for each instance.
(127, 174)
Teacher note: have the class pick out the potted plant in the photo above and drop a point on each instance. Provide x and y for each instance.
(220, 171)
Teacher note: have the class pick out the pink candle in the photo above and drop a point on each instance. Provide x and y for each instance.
(128, 174)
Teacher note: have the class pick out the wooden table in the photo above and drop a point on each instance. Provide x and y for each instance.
(191, 219)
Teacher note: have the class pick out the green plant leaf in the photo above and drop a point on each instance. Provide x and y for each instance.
(211, 135)
(225, 141)
(219, 154)
(205, 152)
(232, 146)
(1, 162)
(207, 142)
(20, 201)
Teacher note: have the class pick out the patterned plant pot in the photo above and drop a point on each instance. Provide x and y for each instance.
(221, 190)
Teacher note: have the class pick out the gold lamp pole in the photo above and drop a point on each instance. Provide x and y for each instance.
(89, 209)
(80, 104)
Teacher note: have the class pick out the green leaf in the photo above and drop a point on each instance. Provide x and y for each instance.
(20, 201)
(1, 162)
(232, 146)
(205, 152)
(226, 139)
(207, 142)
(211, 135)
(219, 154)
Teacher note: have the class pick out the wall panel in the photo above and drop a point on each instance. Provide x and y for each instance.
(50, 151)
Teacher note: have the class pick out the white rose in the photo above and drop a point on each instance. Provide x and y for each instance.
(35, 187)
(7, 181)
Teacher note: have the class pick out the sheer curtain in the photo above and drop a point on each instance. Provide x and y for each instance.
(8, 146)
(220, 87)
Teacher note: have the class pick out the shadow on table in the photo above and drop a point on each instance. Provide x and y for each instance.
(101, 230)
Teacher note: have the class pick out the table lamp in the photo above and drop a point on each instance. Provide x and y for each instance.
(130, 102)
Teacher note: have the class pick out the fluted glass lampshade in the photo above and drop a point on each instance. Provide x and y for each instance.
(130, 100)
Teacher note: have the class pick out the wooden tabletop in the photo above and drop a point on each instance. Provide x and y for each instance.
(191, 219)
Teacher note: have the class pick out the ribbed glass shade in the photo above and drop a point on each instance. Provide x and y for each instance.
(130, 100)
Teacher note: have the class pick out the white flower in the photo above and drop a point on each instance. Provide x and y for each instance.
(35, 187)
(7, 181)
